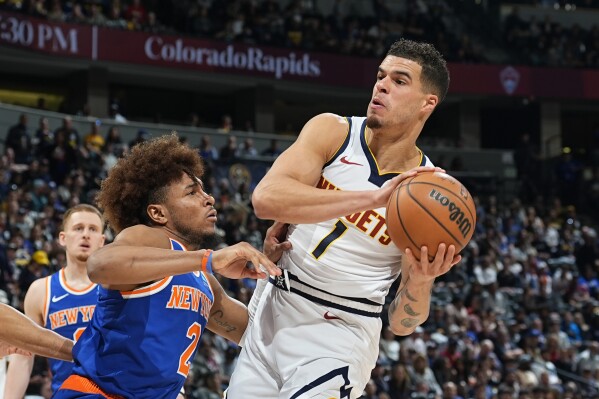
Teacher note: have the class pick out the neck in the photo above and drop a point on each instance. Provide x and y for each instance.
(393, 153)
(76, 272)
(172, 233)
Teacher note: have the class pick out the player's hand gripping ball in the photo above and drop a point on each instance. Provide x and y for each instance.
(430, 209)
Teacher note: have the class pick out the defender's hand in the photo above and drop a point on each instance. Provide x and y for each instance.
(232, 262)
(424, 271)
(275, 242)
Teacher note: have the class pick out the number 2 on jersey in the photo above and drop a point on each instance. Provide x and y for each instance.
(193, 332)
(322, 246)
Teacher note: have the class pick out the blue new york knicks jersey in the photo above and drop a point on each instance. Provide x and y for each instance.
(67, 312)
(140, 343)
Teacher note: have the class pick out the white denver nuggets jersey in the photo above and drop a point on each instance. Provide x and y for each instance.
(351, 256)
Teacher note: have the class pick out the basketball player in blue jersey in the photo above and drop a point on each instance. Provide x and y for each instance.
(63, 302)
(157, 293)
(20, 335)
(315, 333)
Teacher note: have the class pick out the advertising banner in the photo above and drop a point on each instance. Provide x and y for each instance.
(211, 56)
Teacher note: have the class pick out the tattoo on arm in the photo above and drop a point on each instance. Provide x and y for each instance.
(409, 296)
(410, 311)
(218, 319)
(409, 323)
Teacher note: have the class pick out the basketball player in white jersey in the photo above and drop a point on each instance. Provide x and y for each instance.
(315, 331)
(63, 302)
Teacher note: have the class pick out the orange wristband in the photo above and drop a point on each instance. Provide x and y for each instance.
(207, 261)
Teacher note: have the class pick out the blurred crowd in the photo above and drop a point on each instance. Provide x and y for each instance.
(341, 28)
(559, 4)
(517, 318)
(547, 43)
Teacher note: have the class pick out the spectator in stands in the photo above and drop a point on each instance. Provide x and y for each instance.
(71, 134)
(389, 346)
(229, 152)
(56, 13)
(43, 140)
(94, 140)
(113, 140)
(273, 149)
(400, 384)
(115, 113)
(35, 268)
(18, 139)
(207, 151)
(96, 16)
(212, 387)
(247, 149)
(115, 16)
(62, 157)
(77, 15)
(152, 24)
(450, 391)
(7, 268)
(136, 15)
(420, 373)
(226, 124)
(142, 136)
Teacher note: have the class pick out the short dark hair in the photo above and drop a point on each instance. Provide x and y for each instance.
(435, 75)
(142, 177)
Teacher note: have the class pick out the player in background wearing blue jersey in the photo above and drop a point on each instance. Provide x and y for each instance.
(64, 301)
(157, 293)
(316, 330)
(20, 335)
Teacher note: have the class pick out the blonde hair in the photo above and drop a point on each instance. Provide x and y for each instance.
(80, 208)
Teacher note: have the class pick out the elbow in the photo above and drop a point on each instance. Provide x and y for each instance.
(96, 268)
(262, 204)
(401, 330)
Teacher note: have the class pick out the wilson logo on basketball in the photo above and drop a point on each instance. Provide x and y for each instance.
(455, 212)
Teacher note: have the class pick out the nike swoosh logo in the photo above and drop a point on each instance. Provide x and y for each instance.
(345, 161)
(329, 316)
(58, 298)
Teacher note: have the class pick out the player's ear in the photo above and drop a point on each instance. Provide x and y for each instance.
(61, 239)
(431, 103)
(157, 214)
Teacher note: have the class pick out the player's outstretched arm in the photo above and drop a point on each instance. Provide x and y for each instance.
(45, 342)
(410, 308)
(141, 254)
(24, 333)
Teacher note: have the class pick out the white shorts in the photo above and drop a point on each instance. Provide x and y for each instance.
(293, 352)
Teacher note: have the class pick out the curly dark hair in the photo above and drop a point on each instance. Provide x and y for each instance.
(142, 177)
(435, 75)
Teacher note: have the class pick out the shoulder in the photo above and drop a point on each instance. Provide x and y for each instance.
(328, 120)
(325, 129)
(35, 299)
(38, 286)
(143, 236)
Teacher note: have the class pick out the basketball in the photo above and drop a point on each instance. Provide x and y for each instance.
(429, 209)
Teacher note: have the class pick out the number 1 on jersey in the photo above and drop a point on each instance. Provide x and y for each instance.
(322, 246)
